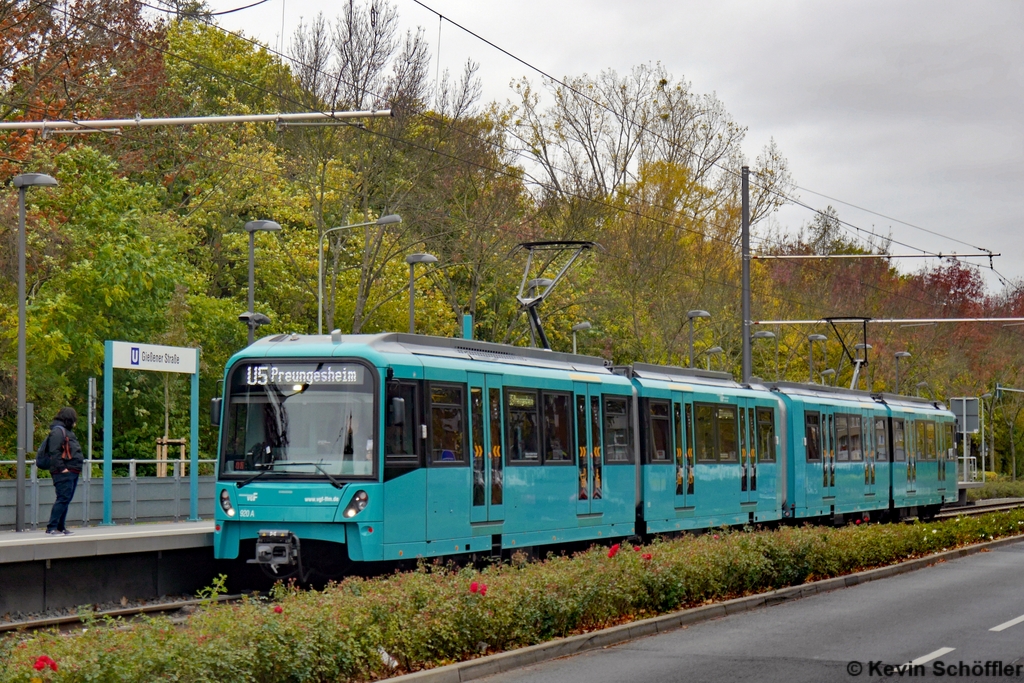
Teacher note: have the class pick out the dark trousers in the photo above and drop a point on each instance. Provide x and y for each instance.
(64, 483)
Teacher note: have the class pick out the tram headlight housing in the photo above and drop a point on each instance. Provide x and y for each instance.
(358, 503)
(225, 503)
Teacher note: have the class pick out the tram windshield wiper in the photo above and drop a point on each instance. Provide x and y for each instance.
(334, 482)
(253, 478)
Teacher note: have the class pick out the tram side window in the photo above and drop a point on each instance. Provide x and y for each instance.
(812, 434)
(706, 433)
(899, 441)
(557, 428)
(949, 446)
(400, 435)
(447, 424)
(842, 438)
(618, 430)
(856, 447)
(881, 441)
(660, 442)
(728, 446)
(765, 435)
(523, 426)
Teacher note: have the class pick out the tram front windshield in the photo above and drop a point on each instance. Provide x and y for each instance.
(299, 418)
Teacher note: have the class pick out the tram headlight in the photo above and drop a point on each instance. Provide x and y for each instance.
(225, 503)
(358, 503)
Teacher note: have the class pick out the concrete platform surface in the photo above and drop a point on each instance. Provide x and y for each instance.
(28, 546)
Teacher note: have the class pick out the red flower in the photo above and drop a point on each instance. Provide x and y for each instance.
(483, 589)
(613, 550)
(44, 661)
(278, 609)
(716, 537)
(636, 549)
(473, 587)
(856, 521)
(647, 556)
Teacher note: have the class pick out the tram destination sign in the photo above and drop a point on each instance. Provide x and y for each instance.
(154, 357)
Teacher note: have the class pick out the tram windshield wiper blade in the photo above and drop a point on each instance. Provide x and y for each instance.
(334, 482)
(255, 476)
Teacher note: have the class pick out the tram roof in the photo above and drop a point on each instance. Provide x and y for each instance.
(821, 391)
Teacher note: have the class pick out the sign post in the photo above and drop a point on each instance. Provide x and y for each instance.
(154, 358)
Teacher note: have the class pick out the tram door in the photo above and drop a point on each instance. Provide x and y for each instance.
(912, 454)
(589, 458)
(870, 454)
(486, 432)
(682, 442)
(748, 457)
(828, 455)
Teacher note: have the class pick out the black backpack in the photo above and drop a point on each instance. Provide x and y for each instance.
(43, 454)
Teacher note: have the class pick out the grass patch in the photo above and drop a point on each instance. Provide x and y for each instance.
(997, 489)
(364, 629)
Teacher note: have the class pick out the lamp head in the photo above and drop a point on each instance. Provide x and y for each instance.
(580, 327)
(262, 226)
(420, 258)
(34, 180)
(902, 354)
(390, 219)
(255, 319)
(763, 334)
(715, 350)
(698, 314)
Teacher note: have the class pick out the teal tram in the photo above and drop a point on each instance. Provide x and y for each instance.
(359, 448)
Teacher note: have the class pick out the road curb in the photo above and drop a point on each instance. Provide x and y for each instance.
(616, 635)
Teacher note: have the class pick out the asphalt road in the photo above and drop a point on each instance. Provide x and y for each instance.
(937, 617)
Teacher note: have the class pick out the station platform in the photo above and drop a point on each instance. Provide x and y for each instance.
(103, 563)
(29, 546)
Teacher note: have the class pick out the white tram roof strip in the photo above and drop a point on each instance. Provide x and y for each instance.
(1007, 624)
(888, 321)
(932, 655)
(139, 121)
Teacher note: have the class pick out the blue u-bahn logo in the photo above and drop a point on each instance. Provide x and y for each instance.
(135, 355)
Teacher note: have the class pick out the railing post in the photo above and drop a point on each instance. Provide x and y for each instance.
(177, 489)
(133, 487)
(87, 480)
(193, 472)
(35, 496)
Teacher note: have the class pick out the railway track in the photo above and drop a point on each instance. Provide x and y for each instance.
(73, 620)
(981, 508)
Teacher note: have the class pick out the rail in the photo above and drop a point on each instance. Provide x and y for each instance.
(161, 497)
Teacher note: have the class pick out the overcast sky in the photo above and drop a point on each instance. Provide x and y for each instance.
(912, 109)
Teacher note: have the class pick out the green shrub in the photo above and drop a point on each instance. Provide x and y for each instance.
(997, 489)
(438, 614)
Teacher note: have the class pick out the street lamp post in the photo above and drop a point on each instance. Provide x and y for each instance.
(984, 397)
(383, 220)
(827, 372)
(252, 227)
(858, 363)
(23, 182)
(713, 351)
(412, 260)
(922, 385)
(765, 334)
(811, 338)
(690, 316)
(898, 355)
(578, 327)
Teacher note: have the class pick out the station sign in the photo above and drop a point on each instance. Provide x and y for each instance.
(153, 357)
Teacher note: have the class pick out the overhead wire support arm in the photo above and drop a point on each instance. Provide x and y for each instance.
(795, 257)
(528, 298)
(141, 122)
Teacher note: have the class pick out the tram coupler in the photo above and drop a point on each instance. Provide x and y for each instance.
(276, 548)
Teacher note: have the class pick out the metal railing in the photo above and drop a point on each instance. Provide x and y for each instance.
(134, 498)
(967, 469)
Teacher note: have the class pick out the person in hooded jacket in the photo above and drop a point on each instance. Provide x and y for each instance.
(65, 466)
